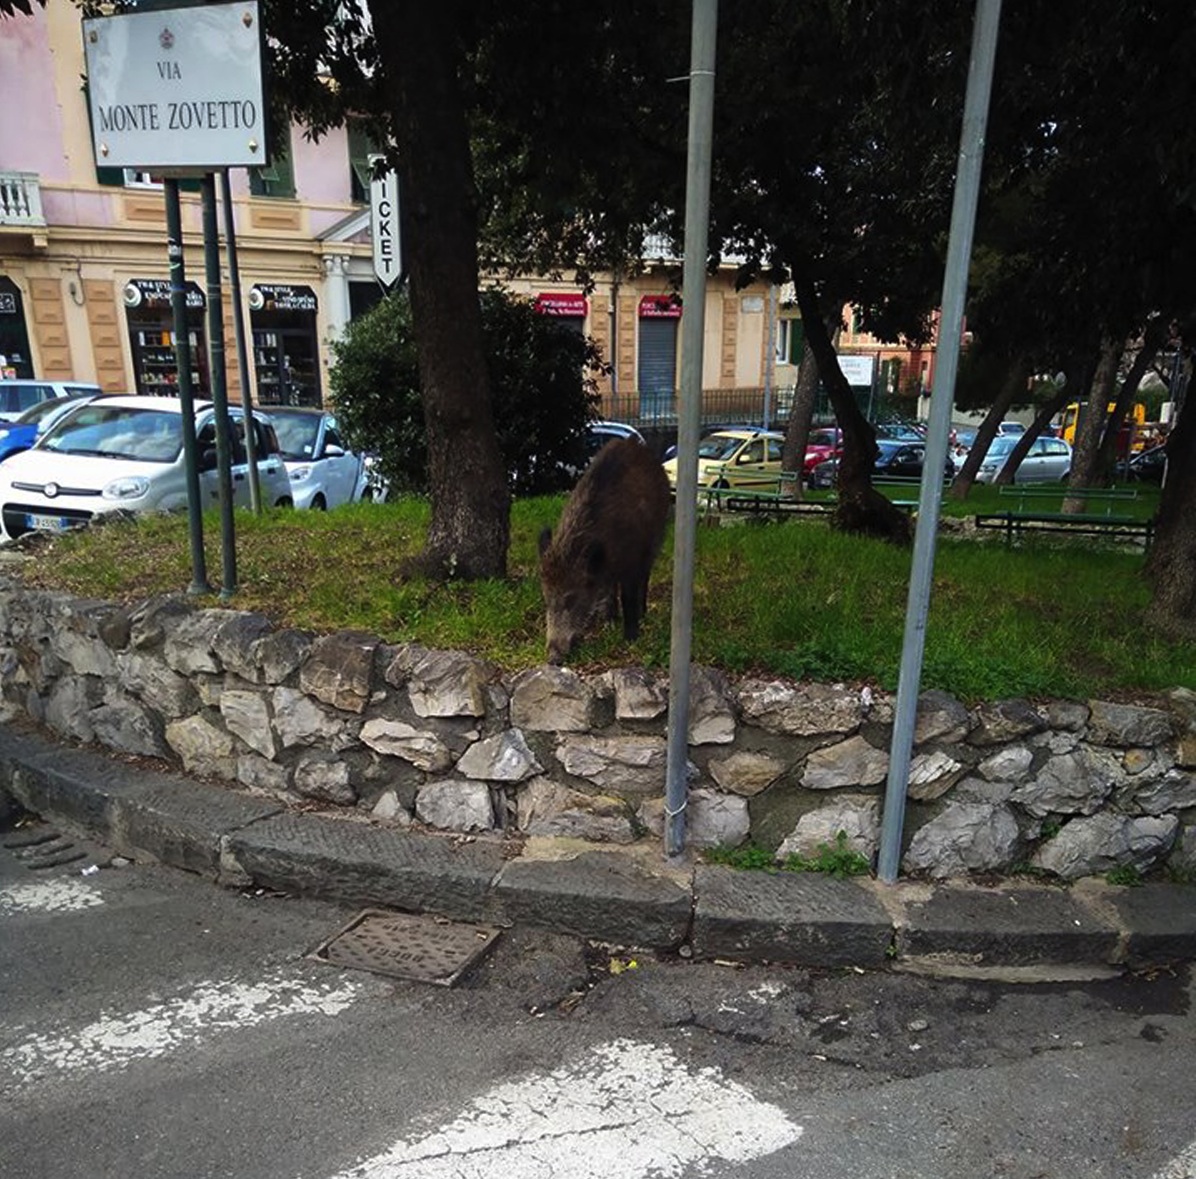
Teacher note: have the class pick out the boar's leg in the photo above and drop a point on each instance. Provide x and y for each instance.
(635, 600)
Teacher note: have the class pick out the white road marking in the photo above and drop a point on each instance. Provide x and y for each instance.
(117, 1040)
(49, 896)
(628, 1110)
(1183, 1166)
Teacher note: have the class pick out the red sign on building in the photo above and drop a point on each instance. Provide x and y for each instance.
(660, 307)
(559, 303)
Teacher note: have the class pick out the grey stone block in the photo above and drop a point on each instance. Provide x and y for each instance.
(1013, 926)
(600, 895)
(68, 784)
(136, 810)
(183, 823)
(801, 918)
(350, 861)
(1159, 921)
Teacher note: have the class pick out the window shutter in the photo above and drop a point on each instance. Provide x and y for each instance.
(278, 179)
(361, 147)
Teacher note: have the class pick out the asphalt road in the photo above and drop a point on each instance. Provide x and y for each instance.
(154, 1025)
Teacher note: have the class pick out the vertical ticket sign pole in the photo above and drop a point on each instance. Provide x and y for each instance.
(178, 92)
(385, 225)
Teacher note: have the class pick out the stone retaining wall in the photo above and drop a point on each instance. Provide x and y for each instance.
(442, 738)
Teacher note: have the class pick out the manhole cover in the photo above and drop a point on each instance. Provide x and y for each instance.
(427, 949)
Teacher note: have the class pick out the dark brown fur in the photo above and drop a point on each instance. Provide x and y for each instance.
(602, 553)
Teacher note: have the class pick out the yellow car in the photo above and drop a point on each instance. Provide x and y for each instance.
(744, 459)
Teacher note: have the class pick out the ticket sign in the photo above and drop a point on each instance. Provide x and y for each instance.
(177, 87)
(384, 225)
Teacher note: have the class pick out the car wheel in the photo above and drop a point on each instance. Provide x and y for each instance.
(285, 502)
(318, 504)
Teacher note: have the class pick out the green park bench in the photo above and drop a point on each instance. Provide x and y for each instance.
(1104, 513)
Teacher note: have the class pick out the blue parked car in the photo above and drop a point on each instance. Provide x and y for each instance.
(21, 433)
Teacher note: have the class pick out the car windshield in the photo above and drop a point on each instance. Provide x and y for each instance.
(296, 433)
(719, 447)
(118, 432)
(35, 413)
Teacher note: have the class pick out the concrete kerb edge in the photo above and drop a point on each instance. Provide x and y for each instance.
(32, 782)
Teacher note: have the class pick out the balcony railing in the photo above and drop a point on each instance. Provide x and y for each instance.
(20, 199)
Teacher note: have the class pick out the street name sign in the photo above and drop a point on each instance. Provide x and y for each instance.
(177, 87)
(384, 226)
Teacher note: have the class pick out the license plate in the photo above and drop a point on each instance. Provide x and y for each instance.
(47, 523)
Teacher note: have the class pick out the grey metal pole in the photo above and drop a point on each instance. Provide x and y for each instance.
(182, 352)
(693, 326)
(955, 285)
(234, 287)
(211, 255)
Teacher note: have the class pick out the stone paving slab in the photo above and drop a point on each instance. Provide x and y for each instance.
(341, 859)
(1159, 920)
(794, 917)
(1015, 925)
(603, 895)
(135, 809)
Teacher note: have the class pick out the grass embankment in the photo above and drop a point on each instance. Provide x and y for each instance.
(792, 599)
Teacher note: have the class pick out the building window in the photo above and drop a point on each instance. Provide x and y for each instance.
(791, 338)
(361, 146)
(278, 179)
(136, 179)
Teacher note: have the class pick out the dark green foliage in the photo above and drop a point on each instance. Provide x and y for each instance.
(540, 375)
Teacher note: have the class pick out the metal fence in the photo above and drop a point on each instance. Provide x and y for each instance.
(654, 414)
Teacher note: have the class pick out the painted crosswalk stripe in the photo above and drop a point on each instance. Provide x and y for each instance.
(1183, 1166)
(49, 896)
(209, 1009)
(628, 1109)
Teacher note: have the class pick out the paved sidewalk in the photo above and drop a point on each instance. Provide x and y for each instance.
(622, 896)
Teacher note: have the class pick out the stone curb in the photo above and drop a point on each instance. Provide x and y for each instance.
(615, 895)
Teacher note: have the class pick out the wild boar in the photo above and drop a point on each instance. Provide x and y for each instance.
(609, 534)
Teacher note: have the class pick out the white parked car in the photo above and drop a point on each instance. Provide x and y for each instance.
(125, 454)
(324, 472)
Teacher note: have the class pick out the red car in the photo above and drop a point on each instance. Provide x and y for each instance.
(821, 445)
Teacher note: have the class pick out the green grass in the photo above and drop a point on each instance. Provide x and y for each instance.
(794, 599)
(837, 860)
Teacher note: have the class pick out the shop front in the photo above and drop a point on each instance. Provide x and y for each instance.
(285, 344)
(15, 358)
(151, 337)
(659, 317)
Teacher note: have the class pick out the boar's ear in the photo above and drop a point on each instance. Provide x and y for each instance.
(595, 558)
(545, 540)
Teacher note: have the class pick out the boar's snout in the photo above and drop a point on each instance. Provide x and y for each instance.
(562, 638)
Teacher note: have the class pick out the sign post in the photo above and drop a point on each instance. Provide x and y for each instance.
(385, 227)
(178, 91)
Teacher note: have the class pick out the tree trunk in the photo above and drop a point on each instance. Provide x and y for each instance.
(1014, 383)
(1091, 424)
(421, 57)
(797, 432)
(861, 508)
(1108, 455)
(1171, 565)
(1036, 427)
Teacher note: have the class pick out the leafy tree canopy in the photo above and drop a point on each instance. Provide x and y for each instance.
(541, 375)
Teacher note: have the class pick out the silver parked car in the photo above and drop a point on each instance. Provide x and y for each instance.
(1048, 460)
